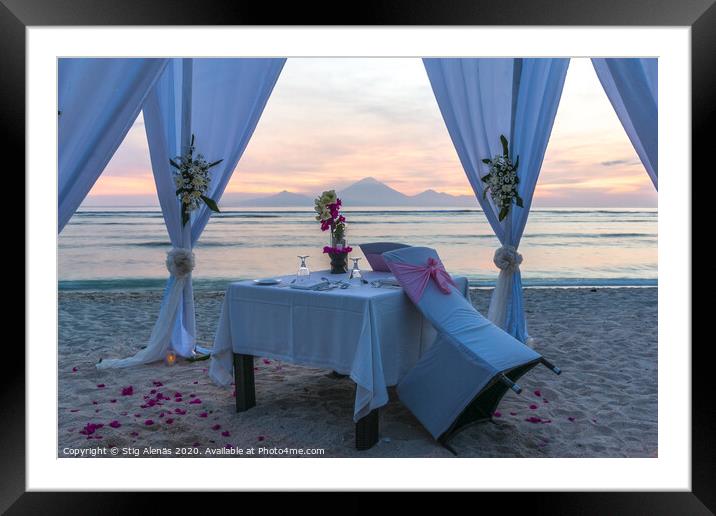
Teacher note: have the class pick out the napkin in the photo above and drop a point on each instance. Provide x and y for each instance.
(310, 284)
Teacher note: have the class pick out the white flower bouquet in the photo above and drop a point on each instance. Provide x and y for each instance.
(502, 180)
(192, 180)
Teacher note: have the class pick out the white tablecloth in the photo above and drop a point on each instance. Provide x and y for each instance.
(374, 335)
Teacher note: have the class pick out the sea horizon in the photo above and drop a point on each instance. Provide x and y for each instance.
(110, 248)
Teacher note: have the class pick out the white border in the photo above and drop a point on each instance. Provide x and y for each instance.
(671, 470)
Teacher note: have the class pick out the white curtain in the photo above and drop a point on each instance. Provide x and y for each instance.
(632, 87)
(98, 101)
(223, 100)
(480, 99)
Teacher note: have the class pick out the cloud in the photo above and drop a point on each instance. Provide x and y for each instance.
(615, 162)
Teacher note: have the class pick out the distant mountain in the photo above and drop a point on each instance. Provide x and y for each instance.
(371, 192)
(283, 198)
(366, 192)
(432, 198)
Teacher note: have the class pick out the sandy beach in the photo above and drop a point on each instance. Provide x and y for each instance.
(603, 405)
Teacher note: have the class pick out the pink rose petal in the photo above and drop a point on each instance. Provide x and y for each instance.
(127, 391)
(570, 418)
(538, 393)
(169, 420)
(533, 419)
(75, 369)
(115, 424)
(216, 427)
(74, 410)
(513, 413)
(266, 361)
(180, 411)
(100, 386)
(497, 414)
(157, 383)
(226, 433)
(195, 401)
(261, 437)
(149, 422)
(533, 407)
(113, 401)
(203, 414)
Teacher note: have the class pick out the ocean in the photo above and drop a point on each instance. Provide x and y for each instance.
(125, 248)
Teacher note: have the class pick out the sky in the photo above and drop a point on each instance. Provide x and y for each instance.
(330, 122)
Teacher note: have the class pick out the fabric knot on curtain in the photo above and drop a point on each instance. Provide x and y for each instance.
(180, 262)
(507, 258)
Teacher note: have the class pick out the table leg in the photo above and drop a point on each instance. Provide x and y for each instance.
(244, 382)
(367, 430)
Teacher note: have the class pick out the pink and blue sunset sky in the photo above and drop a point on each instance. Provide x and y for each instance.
(330, 122)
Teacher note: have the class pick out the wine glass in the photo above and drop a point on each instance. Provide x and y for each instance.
(355, 276)
(303, 271)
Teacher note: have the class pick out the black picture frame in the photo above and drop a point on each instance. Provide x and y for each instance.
(700, 15)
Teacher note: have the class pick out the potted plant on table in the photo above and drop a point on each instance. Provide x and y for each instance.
(328, 213)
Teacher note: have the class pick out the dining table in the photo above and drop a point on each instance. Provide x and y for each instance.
(366, 328)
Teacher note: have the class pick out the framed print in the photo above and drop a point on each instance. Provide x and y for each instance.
(428, 247)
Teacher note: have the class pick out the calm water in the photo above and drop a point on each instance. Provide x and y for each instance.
(125, 247)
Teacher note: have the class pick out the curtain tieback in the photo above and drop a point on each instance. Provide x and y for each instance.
(507, 258)
(180, 262)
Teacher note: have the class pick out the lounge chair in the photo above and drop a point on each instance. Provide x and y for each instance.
(463, 376)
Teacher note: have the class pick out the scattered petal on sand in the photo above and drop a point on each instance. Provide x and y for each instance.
(115, 424)
(153, 391)
(513, 413)
(226, 433)
(497, 414)
(74, 410)
(127, 391)
(195, 401)
(266, 361)
(137, 415)
(113, 401)
(100, 386)
(546, 401)
(533, 419)
(533, 406)
(195, 383)
(571, 418)
(94, 402)
(157, 383)
(538, 393)
(261, 438)
(75, 369)
(203, 414)
(134, 434)
(196, 444)
(169, 420)
(216, 427)
(149, 422)
(180, 411)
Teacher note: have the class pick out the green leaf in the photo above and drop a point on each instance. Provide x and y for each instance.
(487, 161)
(503, 212)
(180, 190)
(215, 163)
(517, 163)
(486, 177)
(171, 162)
(184, 216)
(484, 194)
(210, 203)
(505, 149)
(518, 201)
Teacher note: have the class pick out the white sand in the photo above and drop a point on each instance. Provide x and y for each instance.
(605, 341)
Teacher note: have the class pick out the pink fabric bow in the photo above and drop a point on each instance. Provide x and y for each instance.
(414, 278)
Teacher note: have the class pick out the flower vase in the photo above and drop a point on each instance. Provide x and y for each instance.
(339, 261)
